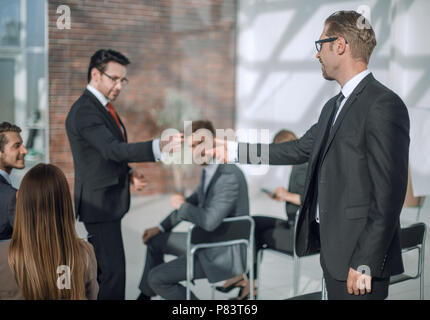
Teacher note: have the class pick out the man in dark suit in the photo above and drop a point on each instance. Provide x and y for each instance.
(222, 193)
(358, 168)
(101, 153)
(12, 153)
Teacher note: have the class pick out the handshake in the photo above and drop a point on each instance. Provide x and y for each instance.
(198, 147)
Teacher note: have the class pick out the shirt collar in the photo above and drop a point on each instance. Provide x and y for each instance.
(210, 169)
(6, 176)
(349, 87)
(100, 96)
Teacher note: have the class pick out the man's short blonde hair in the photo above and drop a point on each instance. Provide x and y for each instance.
(356, 30)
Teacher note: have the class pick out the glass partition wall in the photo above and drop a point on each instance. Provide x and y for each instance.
(24, 76)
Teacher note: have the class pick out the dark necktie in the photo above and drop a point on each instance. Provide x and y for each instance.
(202, 190)
(336, 106)
(115, 117)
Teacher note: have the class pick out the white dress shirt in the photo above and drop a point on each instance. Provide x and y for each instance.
(6, 176)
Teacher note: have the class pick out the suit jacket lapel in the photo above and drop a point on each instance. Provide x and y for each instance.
(123, 128)
(346, 107)
(3, 180)
(215, 177)
(322, 127)
(106, 114)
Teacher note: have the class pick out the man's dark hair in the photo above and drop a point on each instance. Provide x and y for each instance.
(284, 136)
(101, 57)
(202, 124)
(6, 127)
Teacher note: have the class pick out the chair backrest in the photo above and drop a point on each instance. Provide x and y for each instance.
(413, 235)
(410, 200)
(231, 229)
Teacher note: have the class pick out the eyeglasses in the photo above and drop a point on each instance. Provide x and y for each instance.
(123, 81)
(319, 43)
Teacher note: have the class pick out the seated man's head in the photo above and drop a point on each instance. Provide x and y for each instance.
(200, 136)
(284, 136)
(12, 150)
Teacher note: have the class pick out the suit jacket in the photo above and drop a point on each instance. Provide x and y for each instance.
(296, 185)
(9, 289)
(362, 181)
(7, 208)
(226, 196)
(101, 156)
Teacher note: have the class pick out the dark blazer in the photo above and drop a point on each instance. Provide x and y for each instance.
(362, 181)
(101, 156)
(226, 196)
(296, 185)
(7, 208)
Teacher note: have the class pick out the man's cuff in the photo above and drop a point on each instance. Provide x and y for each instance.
(156, 149)
(161, 228)
(232, 154)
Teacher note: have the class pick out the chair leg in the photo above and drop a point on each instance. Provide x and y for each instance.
(323, 290)
(251, 274)
(189, 275)
(296, 275)
(212, 291)
(259, 260)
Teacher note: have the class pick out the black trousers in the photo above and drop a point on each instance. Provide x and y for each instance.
(160, 278)
(106, 239)
(272, 233)
(337, 289)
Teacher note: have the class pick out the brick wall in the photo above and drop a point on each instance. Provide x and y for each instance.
(187, 45)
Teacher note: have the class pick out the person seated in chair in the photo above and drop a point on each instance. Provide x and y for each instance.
(273, 233)
(12, 154)
(223, 193)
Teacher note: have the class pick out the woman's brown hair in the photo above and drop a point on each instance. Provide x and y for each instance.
(44, 238)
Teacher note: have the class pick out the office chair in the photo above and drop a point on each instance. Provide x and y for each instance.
(320, 295)
(413, 237)
(232, 231)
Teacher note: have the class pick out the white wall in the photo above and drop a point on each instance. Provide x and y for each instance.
(279, 82)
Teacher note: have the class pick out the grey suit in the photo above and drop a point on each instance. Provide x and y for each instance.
(226, 196)
(7, 208)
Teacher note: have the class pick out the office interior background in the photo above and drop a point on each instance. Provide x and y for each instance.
(243, 64)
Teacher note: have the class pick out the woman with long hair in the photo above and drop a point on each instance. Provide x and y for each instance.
(46, 257)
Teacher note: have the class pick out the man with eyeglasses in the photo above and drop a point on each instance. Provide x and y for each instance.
(358, 167)
(101, 153)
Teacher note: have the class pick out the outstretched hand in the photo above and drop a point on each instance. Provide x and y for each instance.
(172, 144)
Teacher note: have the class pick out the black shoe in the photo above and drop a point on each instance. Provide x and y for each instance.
(143, 297)
(229, 288)
(239, 296)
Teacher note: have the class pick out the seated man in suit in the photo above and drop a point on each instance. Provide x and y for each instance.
(270, 232)
(12, 153)
(222, 193)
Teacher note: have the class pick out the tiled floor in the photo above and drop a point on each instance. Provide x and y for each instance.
(276, 272)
